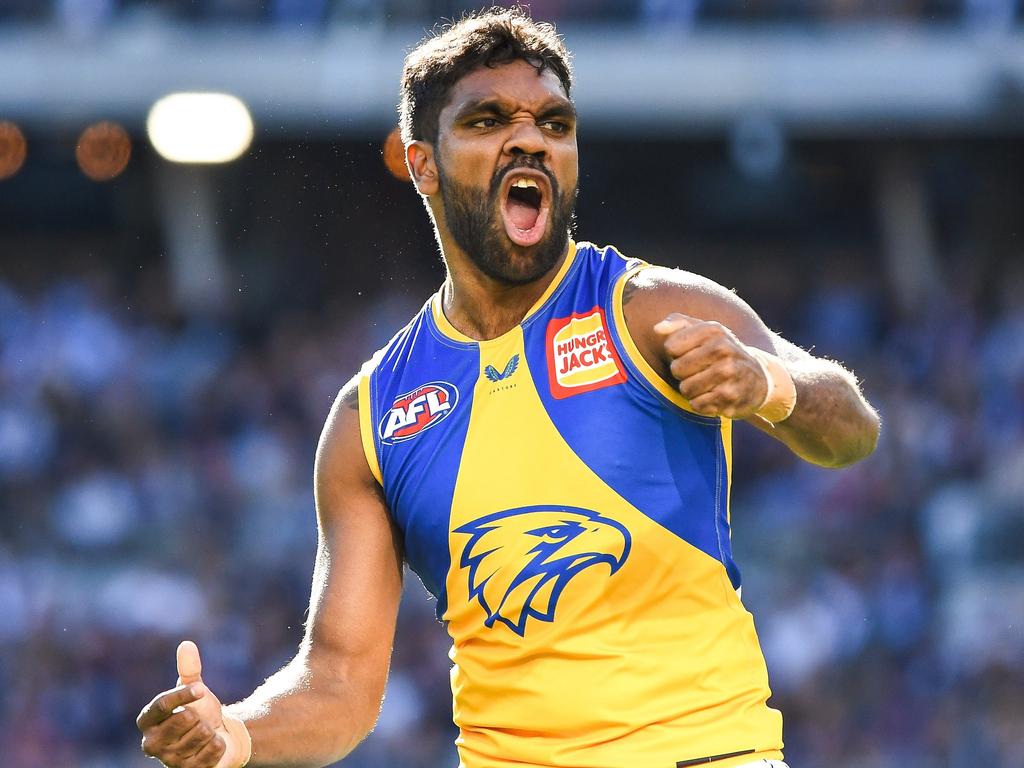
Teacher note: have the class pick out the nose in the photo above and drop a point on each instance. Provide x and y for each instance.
(526, 139)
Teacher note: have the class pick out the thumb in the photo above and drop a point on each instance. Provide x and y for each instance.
(190, 668)
(674, 322)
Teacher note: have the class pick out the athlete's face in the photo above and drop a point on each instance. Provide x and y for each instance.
(507, 167)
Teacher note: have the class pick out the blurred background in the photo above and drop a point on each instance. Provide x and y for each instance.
(172, 336)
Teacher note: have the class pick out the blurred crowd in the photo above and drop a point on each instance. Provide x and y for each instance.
(155, 481)
(889, 595)
(682, 13)
(155, 484)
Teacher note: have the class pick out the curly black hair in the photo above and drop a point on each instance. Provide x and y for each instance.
(483, 39)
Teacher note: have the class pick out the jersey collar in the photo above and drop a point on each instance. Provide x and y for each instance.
(450, 331)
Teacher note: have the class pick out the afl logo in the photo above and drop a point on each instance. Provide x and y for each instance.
(418, 410)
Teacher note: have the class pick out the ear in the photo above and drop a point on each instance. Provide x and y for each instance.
(420, 157)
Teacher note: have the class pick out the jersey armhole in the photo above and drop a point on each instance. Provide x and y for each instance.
(366, 427)
(643, 368)
(638, 361)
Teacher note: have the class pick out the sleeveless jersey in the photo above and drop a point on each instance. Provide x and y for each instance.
(571, 516)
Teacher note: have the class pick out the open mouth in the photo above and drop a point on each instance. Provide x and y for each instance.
(525, 208)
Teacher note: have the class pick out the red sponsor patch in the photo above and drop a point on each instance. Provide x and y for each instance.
(418, 410)
(581, 356)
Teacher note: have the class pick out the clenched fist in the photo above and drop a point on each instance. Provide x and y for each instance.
(717, 373)
(186, 726)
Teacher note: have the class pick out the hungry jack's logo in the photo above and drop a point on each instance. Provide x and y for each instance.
(581, 357)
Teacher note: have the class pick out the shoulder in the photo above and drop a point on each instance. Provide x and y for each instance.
(654, 284)
(340, 442)
(345, 488)
(607, 257)
(646, 285)
(652, 293)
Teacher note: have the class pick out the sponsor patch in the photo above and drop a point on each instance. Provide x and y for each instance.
(418, 410)
(581, 357)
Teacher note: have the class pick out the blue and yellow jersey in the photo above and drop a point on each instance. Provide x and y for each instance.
(571, 516)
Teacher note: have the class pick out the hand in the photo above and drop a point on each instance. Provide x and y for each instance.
(185, 726)
(716, 372)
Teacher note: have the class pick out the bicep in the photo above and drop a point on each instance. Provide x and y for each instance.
(654, 293)
(357, 579)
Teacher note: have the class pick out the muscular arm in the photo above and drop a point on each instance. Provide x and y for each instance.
(832, 424)
(323, 703)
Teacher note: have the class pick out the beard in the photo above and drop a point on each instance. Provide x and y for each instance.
(474, 220)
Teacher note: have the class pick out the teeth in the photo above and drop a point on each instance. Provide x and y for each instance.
(526, 184)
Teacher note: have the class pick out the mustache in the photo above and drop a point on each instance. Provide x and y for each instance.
(524, 161)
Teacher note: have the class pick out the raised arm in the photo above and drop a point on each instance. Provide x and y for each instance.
(697, 335)
(318, 707)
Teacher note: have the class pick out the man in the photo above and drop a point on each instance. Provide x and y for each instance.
(548, 445)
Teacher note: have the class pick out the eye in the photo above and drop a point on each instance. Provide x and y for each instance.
(562, 531)
(555, 126)
(486, 122)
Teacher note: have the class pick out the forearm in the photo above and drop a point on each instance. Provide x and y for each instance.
(832, 424)
(306, 716)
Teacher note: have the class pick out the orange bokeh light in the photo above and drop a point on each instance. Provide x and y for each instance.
(103, 151)
(13, 149)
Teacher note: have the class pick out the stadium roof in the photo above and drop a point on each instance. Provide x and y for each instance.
(344, 80)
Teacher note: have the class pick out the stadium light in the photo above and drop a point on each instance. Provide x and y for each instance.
(200, 127)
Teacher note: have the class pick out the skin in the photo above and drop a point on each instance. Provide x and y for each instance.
(694, 332)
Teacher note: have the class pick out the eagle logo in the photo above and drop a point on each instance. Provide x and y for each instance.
(520, 560)
(493, 374)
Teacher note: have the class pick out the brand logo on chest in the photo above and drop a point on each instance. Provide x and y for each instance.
(581, 357)
(493, 374)
(417, 411)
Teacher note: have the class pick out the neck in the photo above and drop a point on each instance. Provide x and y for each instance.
(483, 308)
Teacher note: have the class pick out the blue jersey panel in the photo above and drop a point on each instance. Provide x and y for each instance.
(422, 393)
